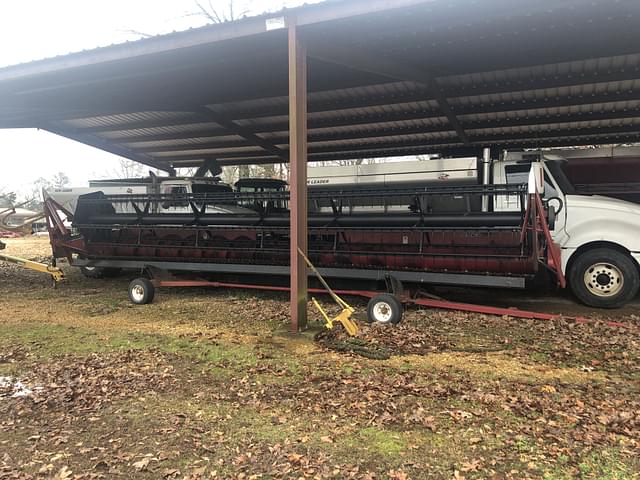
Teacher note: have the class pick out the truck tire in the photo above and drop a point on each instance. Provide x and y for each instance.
(141, 291)
(384, 308)
(100, 272)
(604, 278)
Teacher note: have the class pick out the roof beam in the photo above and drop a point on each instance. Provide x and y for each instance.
(362, 60)
(243, 132)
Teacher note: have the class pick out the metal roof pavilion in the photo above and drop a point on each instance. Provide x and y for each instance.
(385, 78)
(347, 79)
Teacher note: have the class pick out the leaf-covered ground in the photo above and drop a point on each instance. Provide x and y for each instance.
(208, 384)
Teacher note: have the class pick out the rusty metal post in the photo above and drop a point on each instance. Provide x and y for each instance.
(298, 175)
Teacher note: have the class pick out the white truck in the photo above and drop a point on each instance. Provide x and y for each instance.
(599, 236)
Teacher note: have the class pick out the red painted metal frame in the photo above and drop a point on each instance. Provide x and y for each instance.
(62, 244)
(535, 209)
(553, 257)
(423, 302)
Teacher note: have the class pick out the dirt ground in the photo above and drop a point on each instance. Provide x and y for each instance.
(206, 383)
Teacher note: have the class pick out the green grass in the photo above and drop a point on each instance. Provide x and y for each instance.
(48, 340)
(604, 465)
(212, 338)
(382, 443)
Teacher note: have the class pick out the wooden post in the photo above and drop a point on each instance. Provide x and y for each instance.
(298, 176)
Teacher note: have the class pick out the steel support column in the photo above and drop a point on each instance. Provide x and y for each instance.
(298, 176)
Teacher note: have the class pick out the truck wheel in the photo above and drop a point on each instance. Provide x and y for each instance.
(604, 278)
(100, 272)
(384, 308)
(141, 291)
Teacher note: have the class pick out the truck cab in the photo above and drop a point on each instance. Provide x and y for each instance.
(176, 190)
(598, 235)
(264, 203)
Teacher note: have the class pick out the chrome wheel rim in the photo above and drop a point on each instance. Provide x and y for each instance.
(137, 293)
(382, 312)
(603, 280)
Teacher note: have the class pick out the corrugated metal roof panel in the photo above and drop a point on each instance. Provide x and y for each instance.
(124, 119)
(553, 112)
(184, 142)
(373, 141)
(558, 128)
(527, 75)
(371, 129)
(122, 134)
(203, 151)
(580, 93)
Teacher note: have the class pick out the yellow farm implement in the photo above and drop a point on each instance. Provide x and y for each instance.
(344, 317)
(55, 272)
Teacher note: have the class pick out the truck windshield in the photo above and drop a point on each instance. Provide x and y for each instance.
(210, 188)
(214, 188)
(276, 203)
(519, 173)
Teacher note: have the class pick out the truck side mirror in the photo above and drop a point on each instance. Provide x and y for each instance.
(536, 178)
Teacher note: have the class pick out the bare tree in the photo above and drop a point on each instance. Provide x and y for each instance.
(7, 199)
(33, 200)
(217, 15)
(127, 169)
(230, 174)
(60, 180)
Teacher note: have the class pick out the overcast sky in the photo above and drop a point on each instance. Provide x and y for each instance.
(36, 29)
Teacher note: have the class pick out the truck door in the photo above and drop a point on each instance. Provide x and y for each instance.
(511, 174)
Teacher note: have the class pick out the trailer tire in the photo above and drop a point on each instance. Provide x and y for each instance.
(141, 291)
(384, 308)
(604, 278)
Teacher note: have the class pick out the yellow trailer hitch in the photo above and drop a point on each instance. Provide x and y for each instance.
(344, 317)
(55, 272)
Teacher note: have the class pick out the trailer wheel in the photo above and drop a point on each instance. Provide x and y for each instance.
(384, 308)
(141, 291)
(604, 278)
